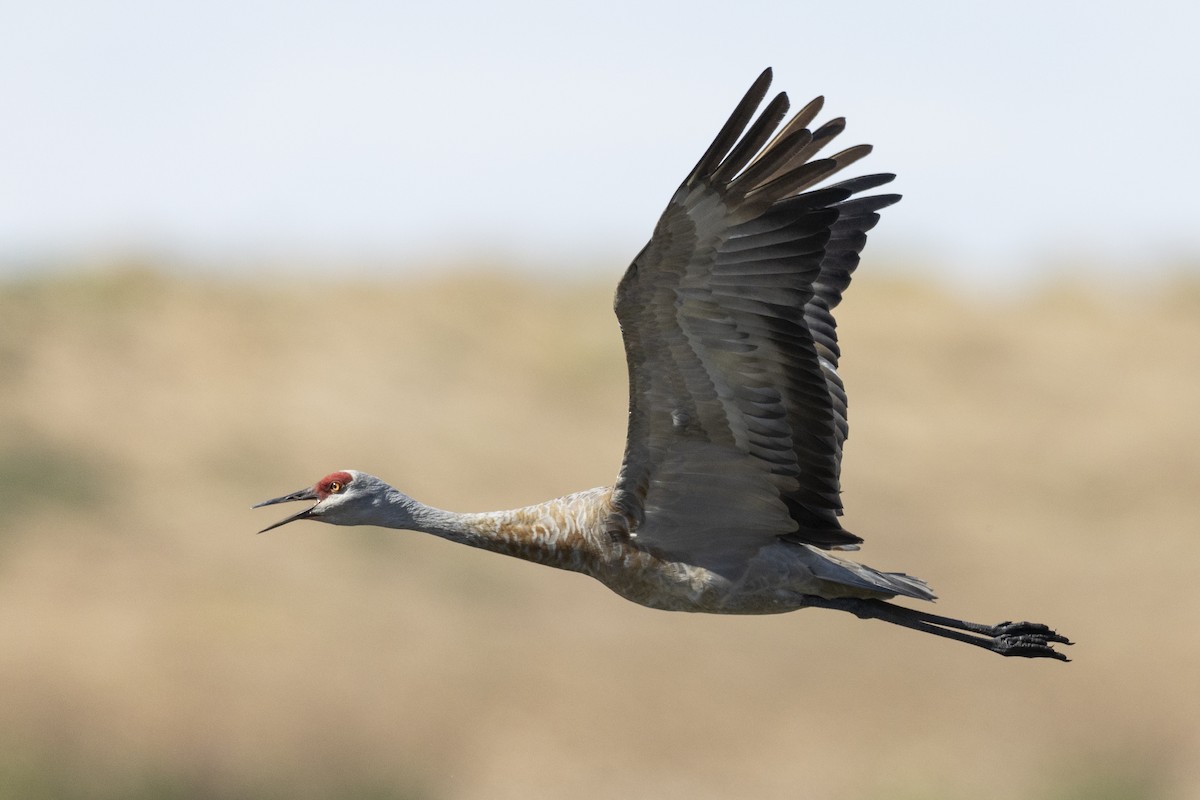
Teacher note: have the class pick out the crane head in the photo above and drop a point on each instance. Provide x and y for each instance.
(338, 496)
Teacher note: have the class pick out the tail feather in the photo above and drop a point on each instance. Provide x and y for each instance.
(853, 575)
(908, 585)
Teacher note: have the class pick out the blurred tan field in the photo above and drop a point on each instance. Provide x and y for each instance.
(1031, 456)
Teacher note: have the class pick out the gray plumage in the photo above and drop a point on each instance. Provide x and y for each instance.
(729, 495)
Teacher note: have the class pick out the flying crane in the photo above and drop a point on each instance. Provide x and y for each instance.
(728, 500)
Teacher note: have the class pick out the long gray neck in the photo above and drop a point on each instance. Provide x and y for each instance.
(551, 533)
(398, 510)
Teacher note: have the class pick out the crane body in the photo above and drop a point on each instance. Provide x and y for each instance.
(569, 533)
(728, 498)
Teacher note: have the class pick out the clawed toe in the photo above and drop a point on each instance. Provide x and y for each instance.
(1028, 629)
(1028, 645)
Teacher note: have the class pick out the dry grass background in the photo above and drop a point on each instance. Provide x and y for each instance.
(1032, 457)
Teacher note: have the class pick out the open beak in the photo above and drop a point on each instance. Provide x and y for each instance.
(303, 494)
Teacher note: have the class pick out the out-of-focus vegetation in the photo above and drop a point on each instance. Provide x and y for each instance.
(1035, 456)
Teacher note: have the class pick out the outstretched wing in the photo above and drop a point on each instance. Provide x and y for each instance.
(737, 414)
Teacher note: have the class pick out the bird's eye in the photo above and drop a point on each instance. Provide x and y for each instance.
(335, 487)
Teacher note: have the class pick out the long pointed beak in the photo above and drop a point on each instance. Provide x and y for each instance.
(303, 494)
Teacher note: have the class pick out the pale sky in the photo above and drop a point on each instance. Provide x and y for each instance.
(553, 134)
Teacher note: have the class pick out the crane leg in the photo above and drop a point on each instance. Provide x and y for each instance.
(1025, 639)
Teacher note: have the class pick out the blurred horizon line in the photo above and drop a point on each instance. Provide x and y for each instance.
(1048, 268)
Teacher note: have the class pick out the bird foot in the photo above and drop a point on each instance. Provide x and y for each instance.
(1027, 640)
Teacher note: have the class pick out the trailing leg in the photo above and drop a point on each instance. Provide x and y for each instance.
(1025, 639)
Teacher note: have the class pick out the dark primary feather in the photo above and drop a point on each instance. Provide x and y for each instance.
(737, 415)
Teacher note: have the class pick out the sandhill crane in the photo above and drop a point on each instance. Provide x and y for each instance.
(728, 496)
